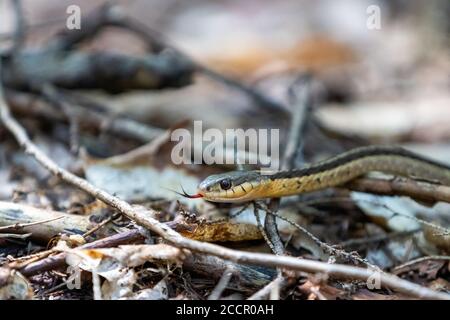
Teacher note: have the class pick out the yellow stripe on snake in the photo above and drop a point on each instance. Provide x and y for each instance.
(241, 186)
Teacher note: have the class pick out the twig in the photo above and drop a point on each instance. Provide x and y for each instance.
(14, 235)
(264, 292)
(402, 186)
(18, 226)
(221, 285)
(303, 104)
(329, 249)
(259, 98)
(20, 262)
(301, 98)
(240, 211)
(272, 232)
(58, 99)
(376, 238)
(443, 230)
(145, 219)
(408, 264)
(30, 220)
(149, 149)
(263, 230)
(101, 225)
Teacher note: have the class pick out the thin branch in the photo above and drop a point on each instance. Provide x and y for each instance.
(149, 149)
(266, 237)
(402, 186)
(14, 235)
(279, 282)
(329, 249)
(301, 97)
(221, 285)
(377, 238)
(20, 262)
(58, 99)
(101, 225)
(144, 218)
(442, 230)
(408, 264)
(271, 228)
(19, 226)
(41, 223)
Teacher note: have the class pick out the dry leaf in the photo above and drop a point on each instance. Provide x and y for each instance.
(439, 285)
(219, 231)
(127, 255)
(440, 238)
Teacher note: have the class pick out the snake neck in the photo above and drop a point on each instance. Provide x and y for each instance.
(348, 166)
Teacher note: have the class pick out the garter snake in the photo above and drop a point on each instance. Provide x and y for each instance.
(241, 186)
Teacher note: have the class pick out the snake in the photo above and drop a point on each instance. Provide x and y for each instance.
(243, 186)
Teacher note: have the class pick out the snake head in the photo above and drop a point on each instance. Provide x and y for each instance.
(235, 186)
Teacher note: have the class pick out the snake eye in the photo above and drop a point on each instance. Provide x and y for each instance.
(225, 184)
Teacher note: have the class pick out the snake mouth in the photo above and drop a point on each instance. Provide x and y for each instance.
(224, 197)
(189, 196)
(193, 196)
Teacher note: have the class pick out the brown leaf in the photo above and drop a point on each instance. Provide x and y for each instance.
(323, 290)
(219, 231)
(440, 238)
(439, 285)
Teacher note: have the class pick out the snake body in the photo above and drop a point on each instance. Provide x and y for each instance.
(240, 186)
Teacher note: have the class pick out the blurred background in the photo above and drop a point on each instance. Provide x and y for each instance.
(387, 84)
